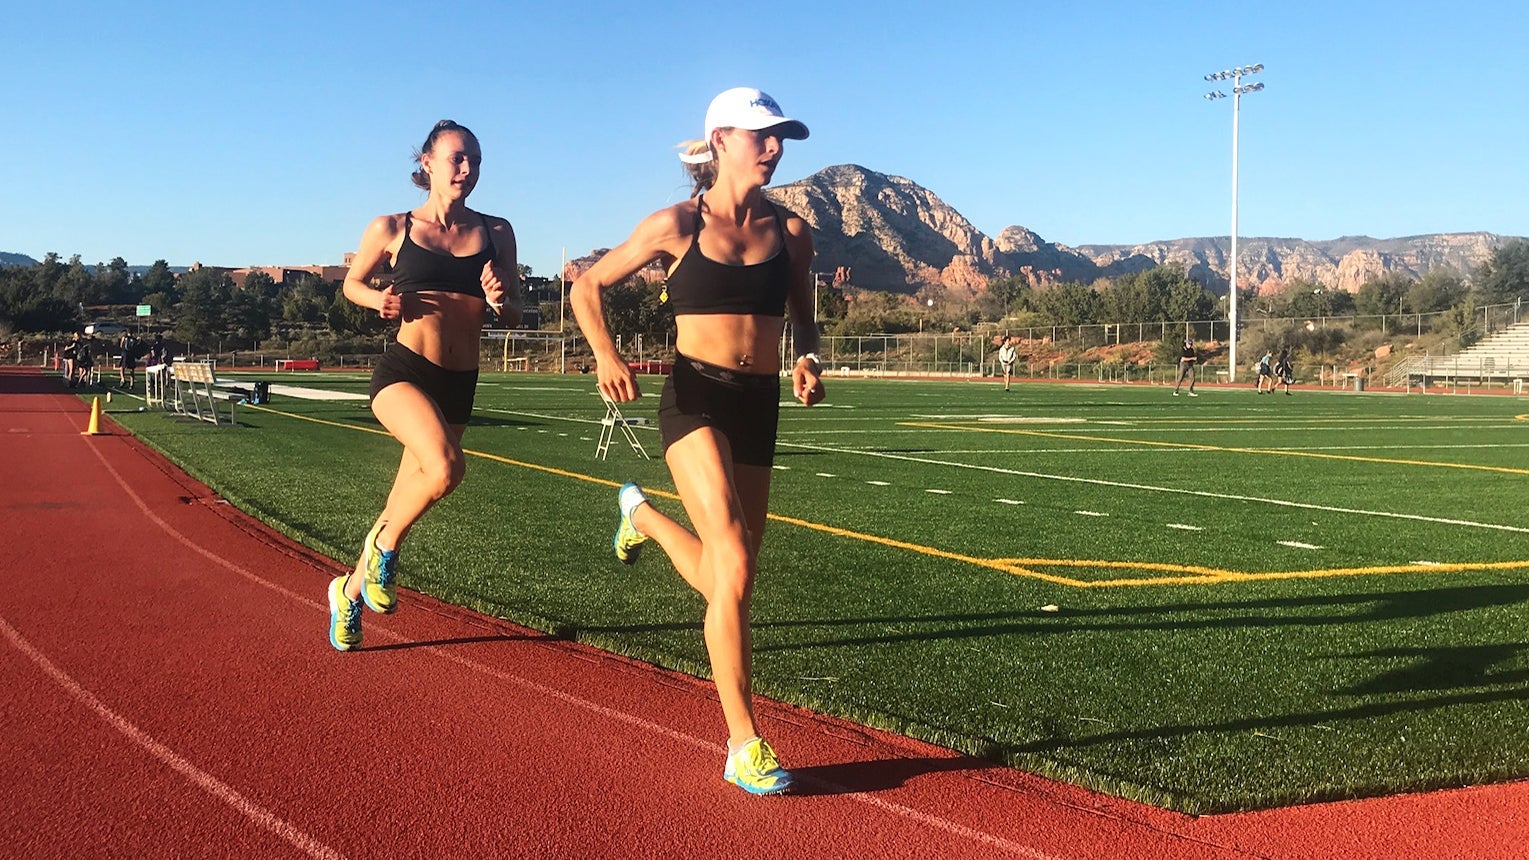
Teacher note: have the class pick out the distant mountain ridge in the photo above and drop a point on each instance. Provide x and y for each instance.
(1345, 263)
(896, 236)
(9, 259)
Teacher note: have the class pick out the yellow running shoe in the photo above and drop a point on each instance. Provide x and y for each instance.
(628, 540)
(378, 574)
(344, 617)
(755, 769)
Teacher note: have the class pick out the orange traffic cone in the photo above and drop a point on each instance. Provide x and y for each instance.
(94, 428)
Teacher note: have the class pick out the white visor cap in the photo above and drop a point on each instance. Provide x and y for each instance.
(747, 108)
(752, 109)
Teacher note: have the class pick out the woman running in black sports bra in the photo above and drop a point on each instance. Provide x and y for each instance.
(449, 265)
(737, 262)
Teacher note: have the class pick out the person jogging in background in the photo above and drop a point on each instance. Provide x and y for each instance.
(127, 366)
(85, 359)
(1187, 359)
(70, 351)
(1266, 373)
(736, 263)
(1284, 371)
(450, 266)
(1007, 354)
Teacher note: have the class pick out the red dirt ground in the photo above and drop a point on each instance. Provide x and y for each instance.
(170, 692)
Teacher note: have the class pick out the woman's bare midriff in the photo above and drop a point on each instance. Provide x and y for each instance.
(445, 328)
(748, 342)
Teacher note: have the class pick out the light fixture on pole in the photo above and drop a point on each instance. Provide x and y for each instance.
(1238, 90)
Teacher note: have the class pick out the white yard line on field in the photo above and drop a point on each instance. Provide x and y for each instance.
(1100, 482)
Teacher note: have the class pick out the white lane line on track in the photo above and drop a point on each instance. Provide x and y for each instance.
(1284, 503)
(907, 812)
(176, 762)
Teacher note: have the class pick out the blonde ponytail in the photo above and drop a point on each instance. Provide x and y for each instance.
(700, 164)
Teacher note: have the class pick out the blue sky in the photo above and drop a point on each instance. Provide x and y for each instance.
(240, 134)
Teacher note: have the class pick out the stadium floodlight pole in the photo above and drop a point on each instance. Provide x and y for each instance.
(1238, 90)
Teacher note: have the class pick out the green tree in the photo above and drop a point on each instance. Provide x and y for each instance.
(1504, 277)
(1005, 297)
(1188, 300)
(1069, 304)
(74, 284)
(247, 317)
(114, 282)
(261, 285)
(24, 308)
(159, 279)
(302, 303)
(1439, 289)
(831, 304)
(47, 274)
(1461, 324)
(205, 294)
(348, 318)
(1129, 298)
(1382, 294)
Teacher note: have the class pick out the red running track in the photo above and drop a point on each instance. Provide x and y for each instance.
(169, 691)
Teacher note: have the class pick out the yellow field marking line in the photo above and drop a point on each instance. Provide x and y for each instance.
(1301, 422)
(1197, 447)
(1190, 575)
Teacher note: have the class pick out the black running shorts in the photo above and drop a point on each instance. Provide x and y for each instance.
(743, 407)
(451, 390)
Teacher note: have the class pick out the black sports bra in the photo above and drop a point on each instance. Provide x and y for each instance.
(701, 285)
(419, 269)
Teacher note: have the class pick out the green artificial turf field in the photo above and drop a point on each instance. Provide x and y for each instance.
(1227, 602)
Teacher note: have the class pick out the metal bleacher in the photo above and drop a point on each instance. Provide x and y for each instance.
(1501, 359)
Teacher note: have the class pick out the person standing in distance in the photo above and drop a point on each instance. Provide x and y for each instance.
(450, 266)
(1266, 371)
(1007, 354)
(1187, 360)
(736, 262)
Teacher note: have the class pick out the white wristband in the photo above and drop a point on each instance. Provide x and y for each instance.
(810, 356)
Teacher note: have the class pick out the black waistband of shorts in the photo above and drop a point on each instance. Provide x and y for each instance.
(726, 375)
(418, 360)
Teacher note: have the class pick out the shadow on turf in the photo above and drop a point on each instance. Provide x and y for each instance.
(477, 421)
(1265, 723)
(854, 777)
(1271, 613)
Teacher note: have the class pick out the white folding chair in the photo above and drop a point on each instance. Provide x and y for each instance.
(612, 420)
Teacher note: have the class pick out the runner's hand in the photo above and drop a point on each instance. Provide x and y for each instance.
(392, 304)
(806, 384)
(617, 381)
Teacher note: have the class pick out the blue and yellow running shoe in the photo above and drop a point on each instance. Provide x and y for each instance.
(628, 540)
(378, 574)
(344, 617)
(754, 768)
